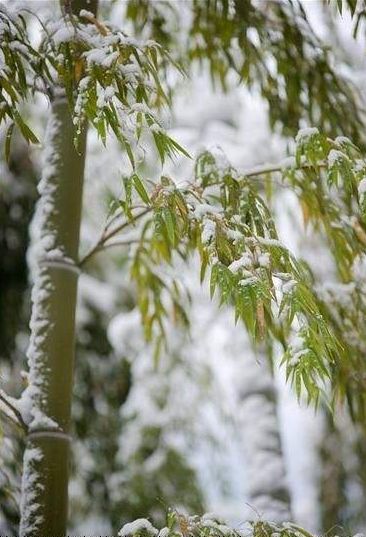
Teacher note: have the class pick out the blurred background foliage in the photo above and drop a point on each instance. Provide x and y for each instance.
(273, 50)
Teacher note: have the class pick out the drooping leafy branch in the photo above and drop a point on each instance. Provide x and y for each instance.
(222, 216)
(115, 83)
(250, 39)
(110, 80)
(357, 10)
(332, 195)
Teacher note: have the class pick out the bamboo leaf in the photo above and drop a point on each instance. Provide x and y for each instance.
(141, 190)
(169, 224)
(25, 130)
(214, 279)
(8, 141)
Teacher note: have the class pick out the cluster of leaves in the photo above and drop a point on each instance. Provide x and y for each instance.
(357, 10)
(17, 56)
(329, 180)
(329, 188)
(114, 82)
(251, 39)
(208, 525)
(222, 216)
(110, 80)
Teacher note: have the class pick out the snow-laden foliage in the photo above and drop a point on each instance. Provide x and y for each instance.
(112, 81)
(222, 215)
(208, 525)
(251, 40)
(116, 81)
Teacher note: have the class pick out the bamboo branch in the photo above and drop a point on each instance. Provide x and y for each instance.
(105, 236)
(14, 410)
(272, 168)
(120, 243)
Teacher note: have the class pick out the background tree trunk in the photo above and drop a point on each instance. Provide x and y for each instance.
(44, 502)
(267, 484)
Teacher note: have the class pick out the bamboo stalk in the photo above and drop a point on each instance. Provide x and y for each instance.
(44, 499)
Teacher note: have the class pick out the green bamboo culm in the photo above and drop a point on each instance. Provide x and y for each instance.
(44, 498)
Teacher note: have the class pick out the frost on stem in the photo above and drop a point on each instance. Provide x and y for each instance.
(31, 518)
(51, 349)
(44, 250)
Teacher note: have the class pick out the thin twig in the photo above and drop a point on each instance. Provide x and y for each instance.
(112, 221)
(106, 236)
(252, 172)
(119, 228)
(15, 411)
(120, 243)
(272, 168)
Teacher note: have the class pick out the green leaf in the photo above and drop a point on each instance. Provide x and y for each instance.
(8, 141)
(179, 148)
(4, 84)
(169, 224)
(126, 205)
(25, 130)
(157, 350)
(141, 190)
(214, 279)
(204, 264)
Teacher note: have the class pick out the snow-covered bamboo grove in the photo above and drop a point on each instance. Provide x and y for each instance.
(211, 425)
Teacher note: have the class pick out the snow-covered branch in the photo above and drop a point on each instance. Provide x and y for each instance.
(9, 406)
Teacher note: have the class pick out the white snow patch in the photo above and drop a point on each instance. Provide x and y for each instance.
(141, 524)
(31, 485)
(362, 189)
(305, 134)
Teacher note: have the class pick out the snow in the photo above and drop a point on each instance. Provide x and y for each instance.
(141, 107)
(164, 532)
(104, 95)
(31, 484)
(343, 140)
(288, 287)
(124, 332)
(246, 261)
(234, 235)
(336, 157)
(341, 293)
(44, 249)
(208, 231)
(141, 524)
(250, 280)
(212, 118)
(19, 47)
(41, 421)
(304, 134)
(288, 162)
(101, 57)
(362, 189)
(267, 481)
(271, 242)
(202, 209)
(87, 14)
(63, 33)
(264, 260)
